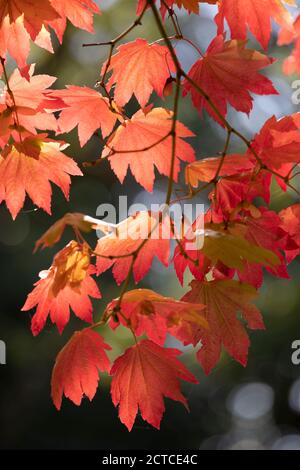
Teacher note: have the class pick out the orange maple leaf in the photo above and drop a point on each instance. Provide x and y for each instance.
(86, 108)
(207, 168)
(68, 283)
(75, 373)
(54, 233)
(22, 20)
(135, 60)
(28, 167)
(144, 142)
(31, 93)
(292, 63)
(117, 249)
(192, 6)
(79, 12)
(142, 376)
(27, 104)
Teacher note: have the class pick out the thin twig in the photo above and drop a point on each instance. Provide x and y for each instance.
(10, 92)
(174, 138)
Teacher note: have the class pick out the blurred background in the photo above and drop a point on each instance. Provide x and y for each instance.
(234, 408)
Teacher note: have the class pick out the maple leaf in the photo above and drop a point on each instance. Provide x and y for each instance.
(224, 299)
(255, 15)
(292, 63)
(207, 168)
(262, 230)
(290, 224)
(192, 6)
(228, 73)
(220, 245)
(239, 180)
(75, 373)
(152, 314)
(117, 249)
(233, 250)
(28, 167)
(197, 263)
(142, 376)
(28, 93)
(26, 104)
(22, 20)
(86, 108)
(239, 239)
(34, 18)
(79, 12)
(231, 191)
(287, 35)
(278, 142)
(135, 60)
(144, 142)
(68, 283)
(28, 121)
(76, 220)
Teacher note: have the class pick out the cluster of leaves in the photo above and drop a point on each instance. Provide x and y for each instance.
(242, 236)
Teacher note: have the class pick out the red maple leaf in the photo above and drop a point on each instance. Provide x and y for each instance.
(231, 191)
(255, 15)
(278, 143)
(290, 224)
(68, 283)
(224, 299)
(144, 142)
(228, 73)
(152, 314)
(142, 376)
(77, 366)
(225, 246)
(262, 230)
(237, 179)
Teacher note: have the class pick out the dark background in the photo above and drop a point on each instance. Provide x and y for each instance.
(252, 408)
